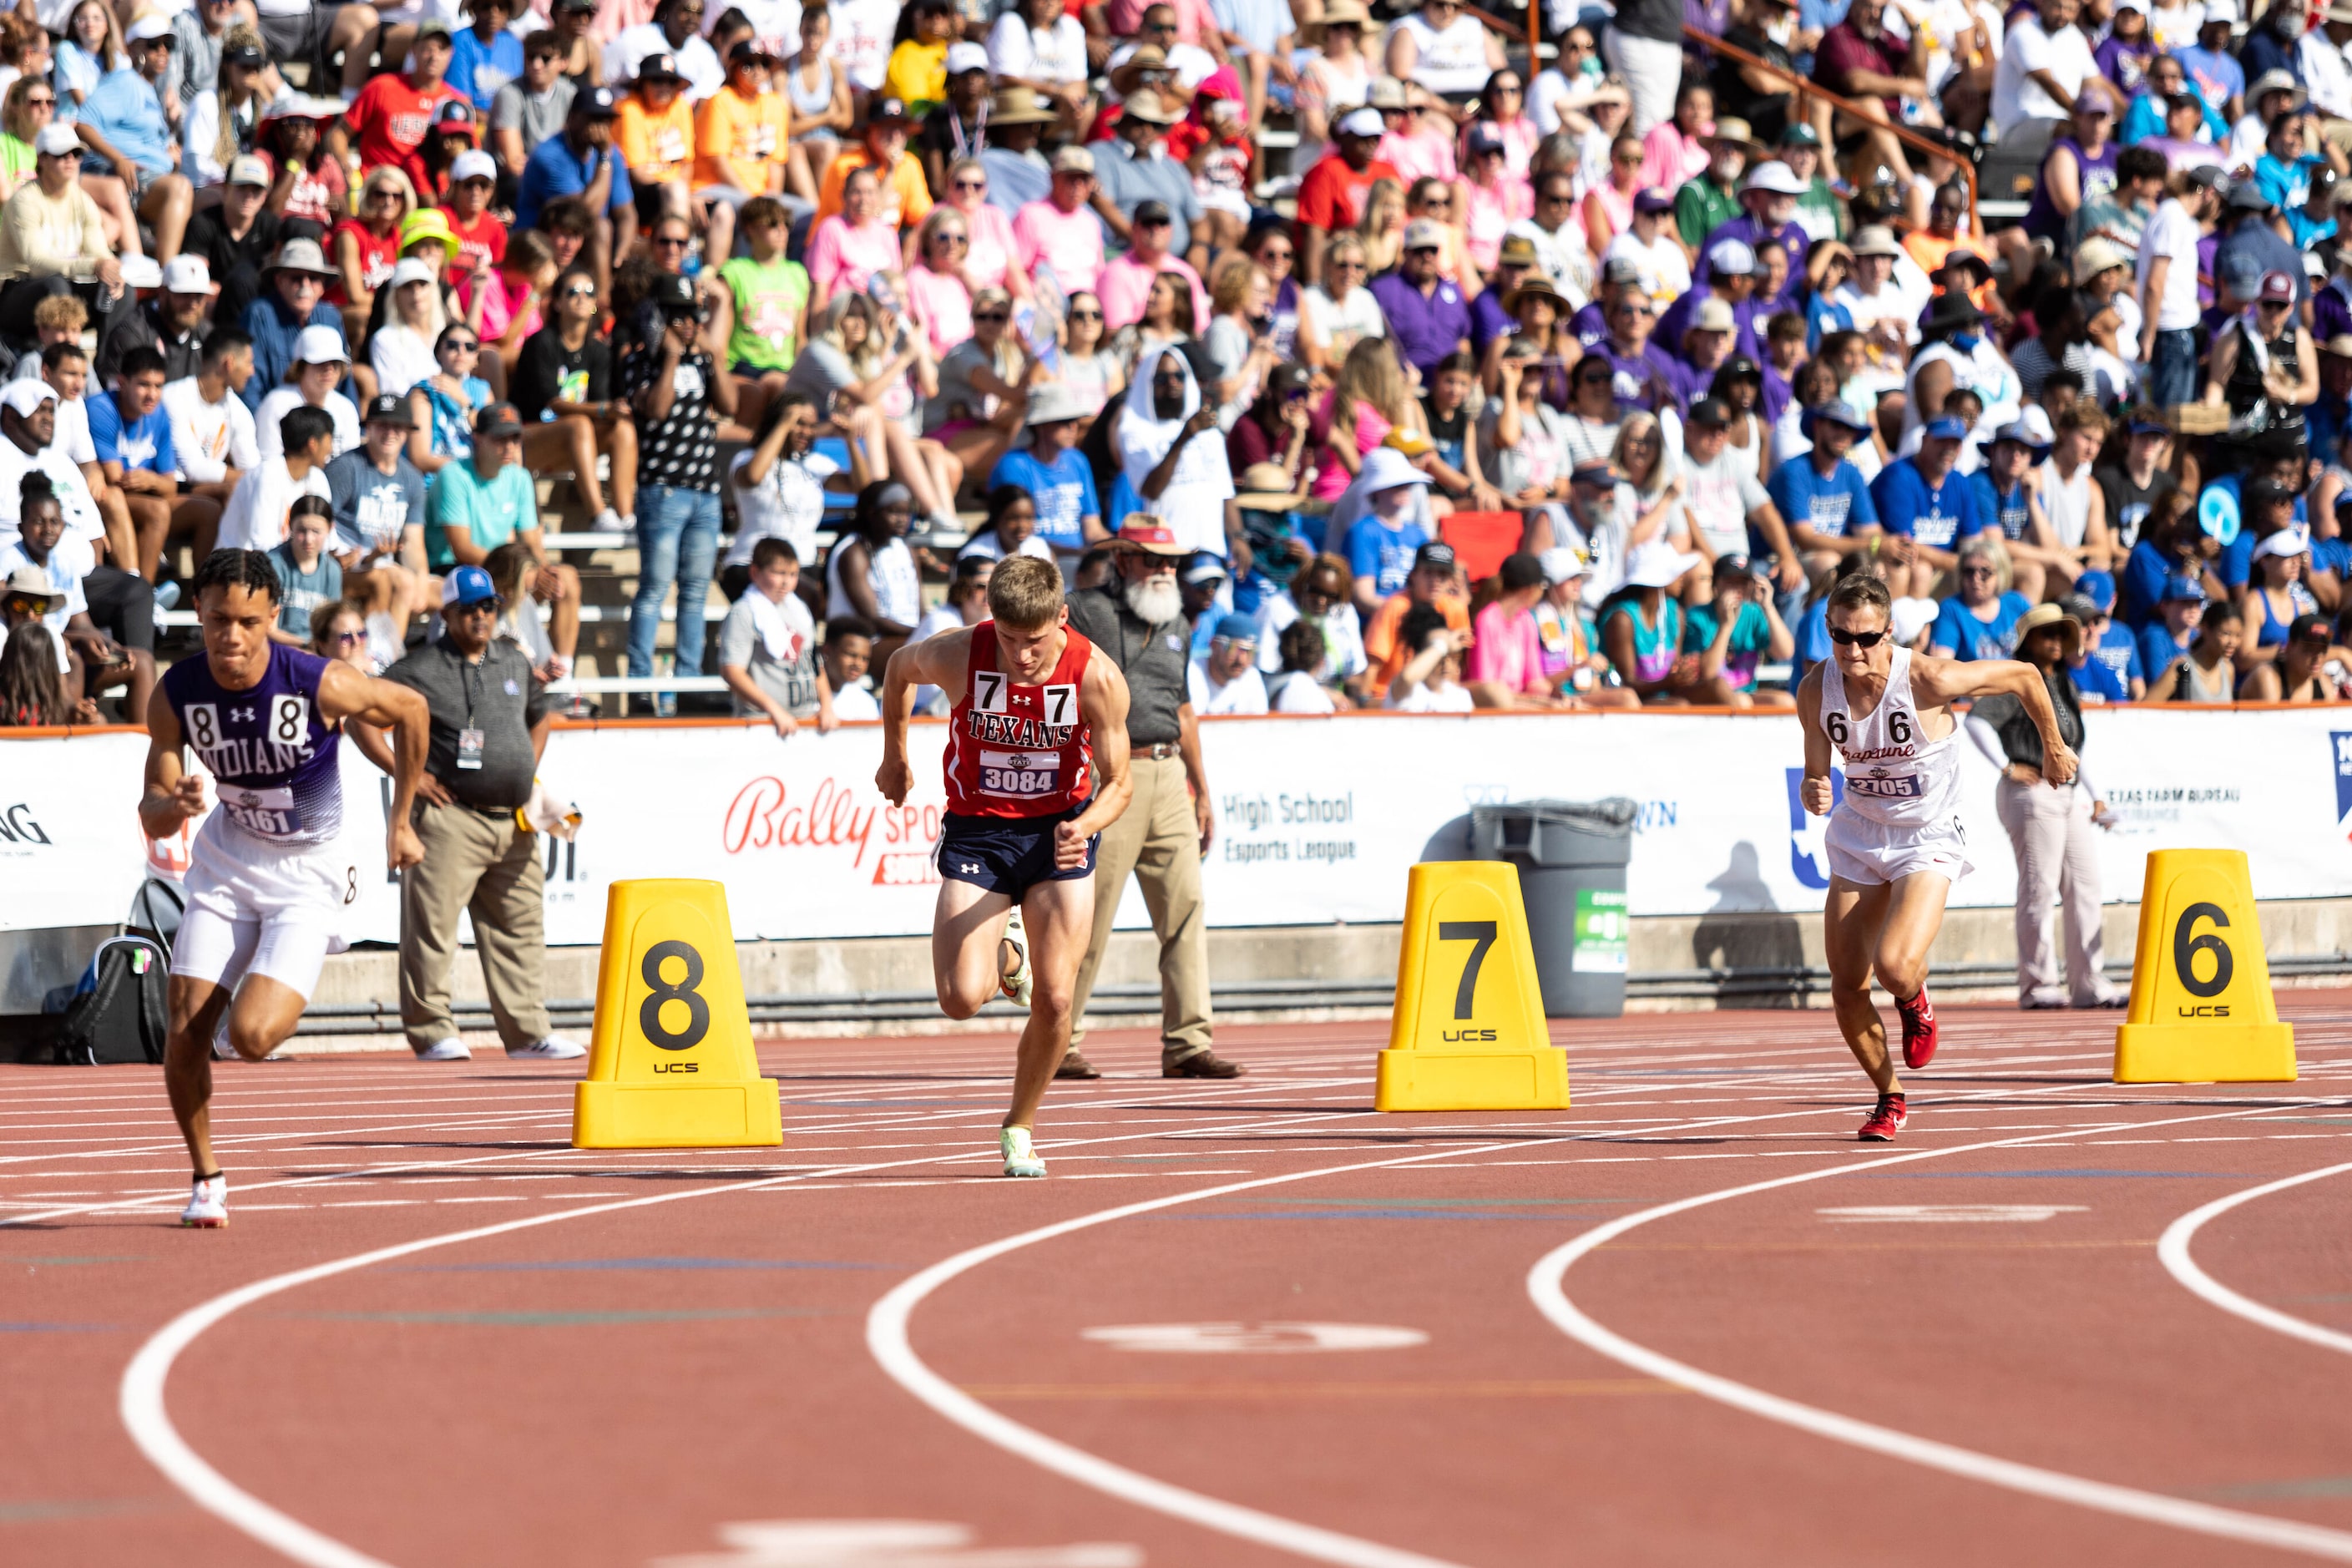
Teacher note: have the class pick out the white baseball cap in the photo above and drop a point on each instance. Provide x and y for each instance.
(1362, 123)
(412, 270)
(1775, 177)
(1732, 258)
(2222, 11)
(141, 272)
(1385, 468)
(473, 163)
(320, 345)
(248, 170)
(186, 274)
(55, 137)
(26, 394)
(2286, 541)
(1657, 563)
(154, 25)
(962, 58)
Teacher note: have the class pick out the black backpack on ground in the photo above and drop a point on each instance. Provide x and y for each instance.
(124, 1014)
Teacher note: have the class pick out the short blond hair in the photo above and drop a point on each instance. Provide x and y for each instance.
(1025, 592)
(60, 313)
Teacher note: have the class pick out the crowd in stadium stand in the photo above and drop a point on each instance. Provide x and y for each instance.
(1462, 383)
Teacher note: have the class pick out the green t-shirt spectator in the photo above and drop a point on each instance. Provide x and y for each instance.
(1751, 635)
(492, 513)
(300, 593)
(768, 302)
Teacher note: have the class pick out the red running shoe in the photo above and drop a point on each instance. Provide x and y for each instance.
(1918, 1016)
(1887, 1121)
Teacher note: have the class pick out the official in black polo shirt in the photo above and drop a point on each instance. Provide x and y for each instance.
(1137, 619)
(490, 726)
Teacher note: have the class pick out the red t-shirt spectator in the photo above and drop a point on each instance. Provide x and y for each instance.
(376, 258)
(1844, 51)
(392, 117)
(486, 237)
(1332, 195)
(316, 188)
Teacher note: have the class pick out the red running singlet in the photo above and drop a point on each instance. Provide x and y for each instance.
(1019, 751)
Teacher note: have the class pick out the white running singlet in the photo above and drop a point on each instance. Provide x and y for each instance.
(1900, 811)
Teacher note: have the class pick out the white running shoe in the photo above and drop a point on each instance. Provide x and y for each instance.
(208, 1204)
(1020, 1156)
(222, 1050)
(452, 1049)
(1018, 985)
(553, 1048)
(607, 521)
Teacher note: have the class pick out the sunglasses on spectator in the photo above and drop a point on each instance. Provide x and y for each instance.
(952, 235)
(1347, 265)
(1420, 250)
(990, 317)
(971, 185)
(679, 241)
(349, 639)
(1855, 639)
(1627, 160)
(1154, 222)
(40, 103)
(1086, 315)
(1270, 254)
(1159, 28)
(460, 346)
(583, 292)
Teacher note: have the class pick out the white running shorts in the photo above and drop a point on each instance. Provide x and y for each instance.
(1868, 853)
(255, 908)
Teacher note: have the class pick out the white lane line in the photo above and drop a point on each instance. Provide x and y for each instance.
(1547, 1288)
(2172, 1250)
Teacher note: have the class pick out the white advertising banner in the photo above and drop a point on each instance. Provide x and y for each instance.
(1317, 818)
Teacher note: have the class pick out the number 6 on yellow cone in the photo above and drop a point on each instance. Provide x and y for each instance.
(670, 1063)
(2202, 1007)
(1468, 1032)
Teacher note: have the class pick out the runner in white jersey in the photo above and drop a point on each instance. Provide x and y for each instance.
(270, 871)
(1895, 841)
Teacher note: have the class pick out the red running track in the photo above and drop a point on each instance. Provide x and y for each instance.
(436, 1335)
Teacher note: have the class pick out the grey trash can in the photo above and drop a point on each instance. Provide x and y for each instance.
(1571, 856)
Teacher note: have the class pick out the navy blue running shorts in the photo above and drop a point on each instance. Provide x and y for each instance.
(1008, 854)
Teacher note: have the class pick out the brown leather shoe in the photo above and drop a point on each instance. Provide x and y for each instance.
(1202, 1064)
(1074, 1065)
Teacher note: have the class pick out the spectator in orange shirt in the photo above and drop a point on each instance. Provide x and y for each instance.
(905, 196)
(657, 142)
(1435, 580)
(742, 134)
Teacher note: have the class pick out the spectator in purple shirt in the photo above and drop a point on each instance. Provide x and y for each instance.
(1428, 319)
(1769, 196)
(1731, 278)
(1641, 376)
(1591, 322)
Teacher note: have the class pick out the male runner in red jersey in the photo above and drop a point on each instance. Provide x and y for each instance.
(1034, 710)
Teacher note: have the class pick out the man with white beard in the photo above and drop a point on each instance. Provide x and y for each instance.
(1136, 620)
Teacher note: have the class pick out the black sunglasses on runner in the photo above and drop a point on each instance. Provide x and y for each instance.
(1855, 639)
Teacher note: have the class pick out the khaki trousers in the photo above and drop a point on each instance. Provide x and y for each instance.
(489, 868)
(1157, 840)
(2057, 865)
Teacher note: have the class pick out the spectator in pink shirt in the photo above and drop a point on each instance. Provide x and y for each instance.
(1506, 668)
(1195, 22)
(1676, 149)
(854, 244)
(939, 292)
(1125, 283)
(1421, 144)
(1062, 231)
(1492, 198)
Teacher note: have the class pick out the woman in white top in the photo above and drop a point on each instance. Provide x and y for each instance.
(221, 124)
(1431, 681)
(779, 483)
(311, 381)
(822, 109)
(1656, 477)
(402, 350)
(1335, 81)
(1088, 370)
(1011, 529)
(1444, 47)
(1328, 328)
(873, 574)
(1295, 689)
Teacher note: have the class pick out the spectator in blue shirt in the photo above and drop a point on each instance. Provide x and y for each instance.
(2004, 498)
(2180, 611)
(293, 287)
(2109, 668)
(2284, 172)
(484, 57)
(1820, 496)
(580, 163)
(132, 433)
(2269, 506)
(2216, 78)
(1383, 544)
(121, 121)
(1980, 621)
(1062, 483)
(2171, 544)
(1925, 499)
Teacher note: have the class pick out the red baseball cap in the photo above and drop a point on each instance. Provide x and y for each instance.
(2277, 285)
(1149, 534)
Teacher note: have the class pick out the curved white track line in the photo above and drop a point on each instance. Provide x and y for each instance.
(1547, 1288)
(2172, 1250)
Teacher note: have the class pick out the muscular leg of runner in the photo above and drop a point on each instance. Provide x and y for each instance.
(195, 1011)
(967, 944)
(1060, 918)
(263, 1016)
(1915, 914)
(1851, 925)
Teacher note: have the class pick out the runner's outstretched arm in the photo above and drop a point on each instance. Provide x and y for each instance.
(173, 795)
(1818, 795)
(344, 693)
(939, 661)
(1937, 681)
(1102, 700)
